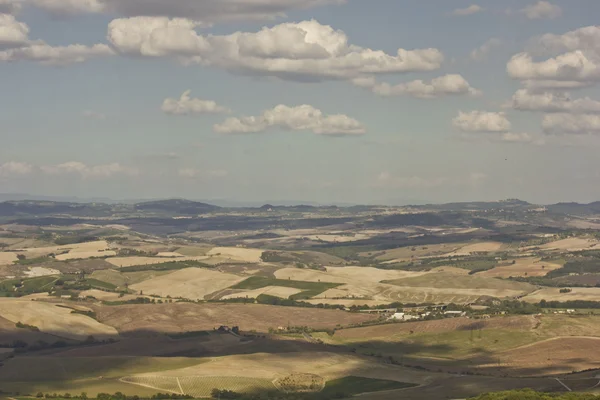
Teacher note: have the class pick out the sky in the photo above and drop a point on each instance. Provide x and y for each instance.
(329, 101)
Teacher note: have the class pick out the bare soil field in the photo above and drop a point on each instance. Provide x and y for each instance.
(79, 255)
(182, 317)
(391, 331)
(194, 251)
(484, 247)
(406, 253)
(119, 279)
(550, 294)
(7, 258)
(386, 293)
(40, 271)
(554, 356)
(106, 296)
(277, 291)
(326, 365)
(529, 266)
(237, 254)
(571, 244)
(189, 283)
(54, 320)
(9, 333)
(87, 247)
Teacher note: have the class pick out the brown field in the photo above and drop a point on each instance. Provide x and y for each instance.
(549, 294)
(436, 326)
(237, 254)
(7, 258)
(54, 320)
(181, 317)
(87, 247)
(529, 266)
(277, 291)
(9, 333)
(325, 364)
(79, 255)
(571, 244)
(553, 356)
(118, 278)
(484, 247)
(406, 253)
(189, 283)
(449, 280)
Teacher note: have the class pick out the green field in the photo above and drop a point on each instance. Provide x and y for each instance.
(20, 287)
(309, 289)
(166, 266)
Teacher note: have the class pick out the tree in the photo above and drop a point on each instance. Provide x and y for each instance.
(39, 395)
(21, 257)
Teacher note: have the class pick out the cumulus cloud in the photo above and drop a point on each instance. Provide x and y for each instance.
(571, 124)
(86, 171)
(553, 102)
(482, 52)
(482, 121)
(12, 168)
(574, 66)
(187, 105)
(12, 32)
(16, 46)
(472, 9)
(297, 51)
(542, 10)
(452, 84)
(585, 39)
(207, 11)
(300, 118)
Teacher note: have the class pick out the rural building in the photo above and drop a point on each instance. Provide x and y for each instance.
(455, 313)
(381, 311)
(400, 316)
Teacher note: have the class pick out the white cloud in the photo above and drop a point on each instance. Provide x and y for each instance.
(482, 121)
(452, 84)
(187, 105)
(12, 32)
(207, 11)
(586, 39)
(552, 102)
(93, 115)
(472, 9)
(12, 168)
(573, 66)
(481, 53)
(16, 46)
(542, 10)
(297, 51)
(300, 118)
(571, 124)
(85, 171)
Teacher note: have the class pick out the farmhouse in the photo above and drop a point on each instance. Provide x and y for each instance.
(455, 313)
(400, 316)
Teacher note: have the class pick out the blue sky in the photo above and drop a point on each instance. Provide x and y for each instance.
(301, 100)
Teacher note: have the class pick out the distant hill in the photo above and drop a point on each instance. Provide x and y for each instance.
(176, 206)
(575, 208)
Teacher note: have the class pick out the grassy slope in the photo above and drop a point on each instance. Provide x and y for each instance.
(352, 385)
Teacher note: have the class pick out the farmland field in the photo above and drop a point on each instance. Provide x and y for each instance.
(189, 283)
